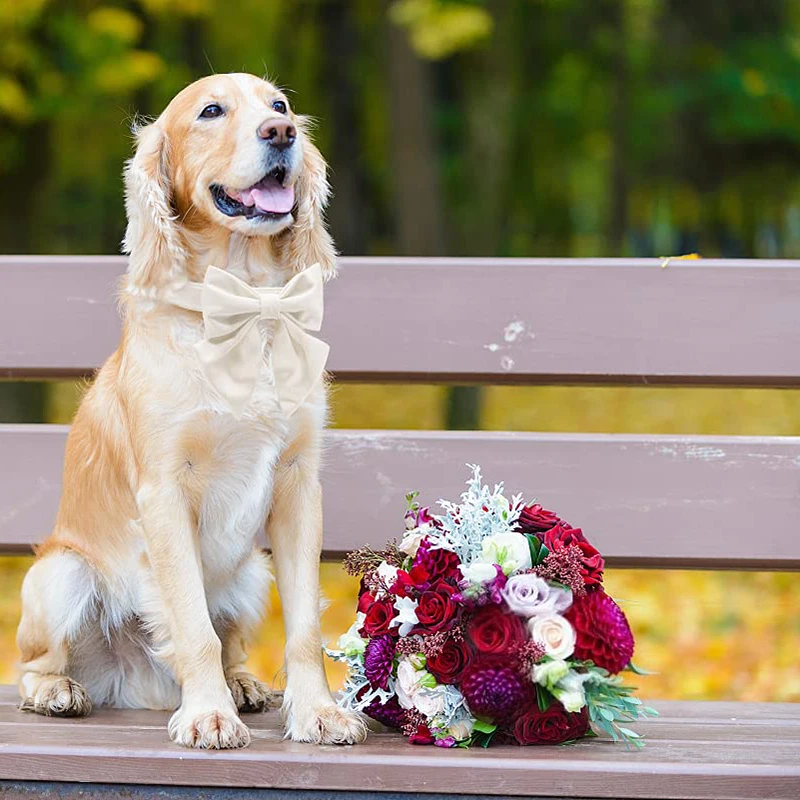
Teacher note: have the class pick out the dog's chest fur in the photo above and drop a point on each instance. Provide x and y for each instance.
(225, 464)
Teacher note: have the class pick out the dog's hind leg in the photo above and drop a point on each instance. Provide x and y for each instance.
(58, 595)
(238, 621)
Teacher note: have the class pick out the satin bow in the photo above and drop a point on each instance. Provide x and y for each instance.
(231, 353)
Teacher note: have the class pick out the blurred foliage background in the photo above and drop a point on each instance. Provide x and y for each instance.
(483, 127)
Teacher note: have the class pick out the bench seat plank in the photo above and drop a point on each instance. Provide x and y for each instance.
(713, 757)
(665, 501)
(468, 319)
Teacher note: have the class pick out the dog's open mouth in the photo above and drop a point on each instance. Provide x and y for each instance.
(267, 199)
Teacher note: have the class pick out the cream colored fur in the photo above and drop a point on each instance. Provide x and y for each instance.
(152, 583)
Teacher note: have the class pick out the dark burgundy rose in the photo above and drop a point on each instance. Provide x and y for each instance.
(554, 726)
(592, 563)
(438, 563)
(379, 618)
(448, 664)
(565, 534)
(535, 519)
(437, 608)
(493, 630)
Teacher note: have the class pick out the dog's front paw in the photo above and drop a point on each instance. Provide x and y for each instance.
(59, 696)
(209, 729)
(325, 723)
(249, 693)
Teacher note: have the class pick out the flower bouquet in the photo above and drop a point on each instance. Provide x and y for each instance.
(488, 623)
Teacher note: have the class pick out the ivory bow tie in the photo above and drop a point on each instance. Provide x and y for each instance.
(232, 351)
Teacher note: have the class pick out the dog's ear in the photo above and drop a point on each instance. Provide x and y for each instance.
(310, 242)
(152, 239)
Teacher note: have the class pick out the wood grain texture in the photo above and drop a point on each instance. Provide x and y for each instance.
(714, 757)
(643, 500)
(494, 320)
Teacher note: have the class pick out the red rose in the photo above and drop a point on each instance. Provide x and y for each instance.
(448, 664)
(535, 519)
(554, 726)
(378, 619)
(493, 630)
(592, 564)
(436, 607)
(365, 600)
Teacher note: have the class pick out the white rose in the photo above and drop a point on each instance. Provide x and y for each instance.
(412, 540)
(478, 572)
(406, 615)
(429, 702)
(350, 642)
(509, 550)
(407, 684)
(555, 633)
(462, 729)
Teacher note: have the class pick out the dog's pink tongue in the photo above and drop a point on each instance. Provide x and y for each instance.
(270, 197)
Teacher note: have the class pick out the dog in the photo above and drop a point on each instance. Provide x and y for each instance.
(151, 585)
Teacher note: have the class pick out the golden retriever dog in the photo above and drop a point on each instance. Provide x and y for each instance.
(152, 583)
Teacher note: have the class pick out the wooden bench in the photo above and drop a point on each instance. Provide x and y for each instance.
(653, 501)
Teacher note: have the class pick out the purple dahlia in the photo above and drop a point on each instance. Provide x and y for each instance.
(378, 657)
(494, 689)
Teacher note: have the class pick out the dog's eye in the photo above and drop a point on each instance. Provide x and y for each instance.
(279, 106)
(212, 111)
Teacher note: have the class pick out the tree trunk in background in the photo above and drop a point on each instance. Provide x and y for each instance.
(489, 136)
(418, 202)
(618, 220)
(23, 402)
(416, 187)
(350, 218)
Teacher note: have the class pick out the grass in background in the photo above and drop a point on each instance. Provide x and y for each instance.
(723, 635)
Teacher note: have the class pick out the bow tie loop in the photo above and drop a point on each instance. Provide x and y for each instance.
(231, 352)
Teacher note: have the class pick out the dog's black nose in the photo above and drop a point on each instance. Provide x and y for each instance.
(278, 133)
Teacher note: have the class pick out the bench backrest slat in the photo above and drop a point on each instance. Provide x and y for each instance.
(483, 320)
(717, 502)
(713, 502)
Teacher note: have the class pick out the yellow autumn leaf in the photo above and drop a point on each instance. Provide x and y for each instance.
(115, 23)
(14, 102)
(128, 72)
(688, 257)
(754, 83)
(437, 29)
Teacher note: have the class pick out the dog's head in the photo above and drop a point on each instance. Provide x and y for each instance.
(226, 157)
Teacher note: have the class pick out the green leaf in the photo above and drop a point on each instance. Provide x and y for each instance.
(609, 715)
(537, 547)
(628, 732)
(482, 739)
(638, 670)
(484, 727)
(649, 711)
(543, 698)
